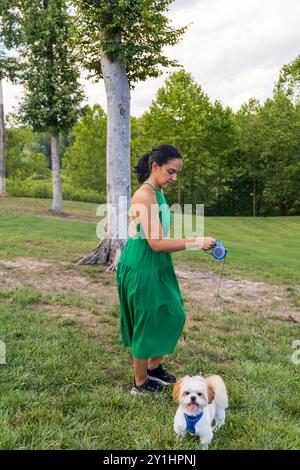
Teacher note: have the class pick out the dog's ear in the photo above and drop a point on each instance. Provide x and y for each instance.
(211, 392)
(176, 391)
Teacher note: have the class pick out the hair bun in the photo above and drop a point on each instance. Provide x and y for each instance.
(142, 168)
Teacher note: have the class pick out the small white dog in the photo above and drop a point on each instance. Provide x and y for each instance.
(201, 400)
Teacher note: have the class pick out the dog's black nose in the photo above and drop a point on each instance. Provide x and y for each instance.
(193, 398)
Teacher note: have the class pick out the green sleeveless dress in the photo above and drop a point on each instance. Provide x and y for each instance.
(152, 314)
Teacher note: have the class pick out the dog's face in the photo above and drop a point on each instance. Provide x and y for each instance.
(193, 394)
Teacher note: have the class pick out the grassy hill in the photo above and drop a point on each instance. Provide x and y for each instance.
(265, 249)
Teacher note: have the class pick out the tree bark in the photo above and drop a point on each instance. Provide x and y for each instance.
(2, 145)
(118, 166)
(57, 204)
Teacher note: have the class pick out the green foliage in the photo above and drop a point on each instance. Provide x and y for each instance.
(250, 174)
(232, 162)
(29, 188)
(8, 66)
(204, 133)
(53, 94)
(9, 40)
(281, 154)
(21, 159)
(134, 31)
(178, 116)
(85, 160)
(10, 24)
(289, 79)
(33, 188)
(270, 146)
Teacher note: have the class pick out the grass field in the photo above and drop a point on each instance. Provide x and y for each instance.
(67, 378)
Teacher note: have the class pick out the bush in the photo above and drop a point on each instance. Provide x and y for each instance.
(295, 209)
(29, 188)
(43, 189)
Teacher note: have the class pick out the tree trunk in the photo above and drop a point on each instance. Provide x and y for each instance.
(2, 145)
(118, 166)
(57, 204)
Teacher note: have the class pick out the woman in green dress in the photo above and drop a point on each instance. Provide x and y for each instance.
(151, 304)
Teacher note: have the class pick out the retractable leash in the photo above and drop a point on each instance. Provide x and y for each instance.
(218, 252)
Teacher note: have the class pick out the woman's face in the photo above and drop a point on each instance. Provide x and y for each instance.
(166, 174)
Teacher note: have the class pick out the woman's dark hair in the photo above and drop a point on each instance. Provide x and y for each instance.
(160, 154)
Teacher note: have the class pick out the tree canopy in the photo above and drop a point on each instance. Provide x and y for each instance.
(134, 31)
(52, 90)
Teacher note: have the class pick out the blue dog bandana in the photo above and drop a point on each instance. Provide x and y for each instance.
(191, 422)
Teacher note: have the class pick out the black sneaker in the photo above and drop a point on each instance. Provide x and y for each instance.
(148, 386)
(161, 376)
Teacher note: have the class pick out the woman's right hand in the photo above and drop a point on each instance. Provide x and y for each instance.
(206, 243)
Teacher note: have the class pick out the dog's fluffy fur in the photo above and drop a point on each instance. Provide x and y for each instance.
(200, 394)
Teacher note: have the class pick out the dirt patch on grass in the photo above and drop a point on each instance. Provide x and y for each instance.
(86, 293)
(57, 277)
(271, 300)
(68, 285)
(26, 264)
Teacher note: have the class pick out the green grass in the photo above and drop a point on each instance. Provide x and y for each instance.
(263, 249)
(42, 208)
(66, 386)
(38, 237)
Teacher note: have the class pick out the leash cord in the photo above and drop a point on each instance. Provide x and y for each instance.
(219, 281)
(219, 285)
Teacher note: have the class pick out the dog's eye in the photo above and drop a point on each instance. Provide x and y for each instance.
(200, 394)
(186, 393)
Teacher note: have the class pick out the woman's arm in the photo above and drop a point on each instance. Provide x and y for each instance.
(148, 211)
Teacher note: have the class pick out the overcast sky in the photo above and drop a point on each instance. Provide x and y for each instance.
(233, 48)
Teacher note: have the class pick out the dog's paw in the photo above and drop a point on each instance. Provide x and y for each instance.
(217, 427)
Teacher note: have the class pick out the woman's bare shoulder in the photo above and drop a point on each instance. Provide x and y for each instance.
(142, 194)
